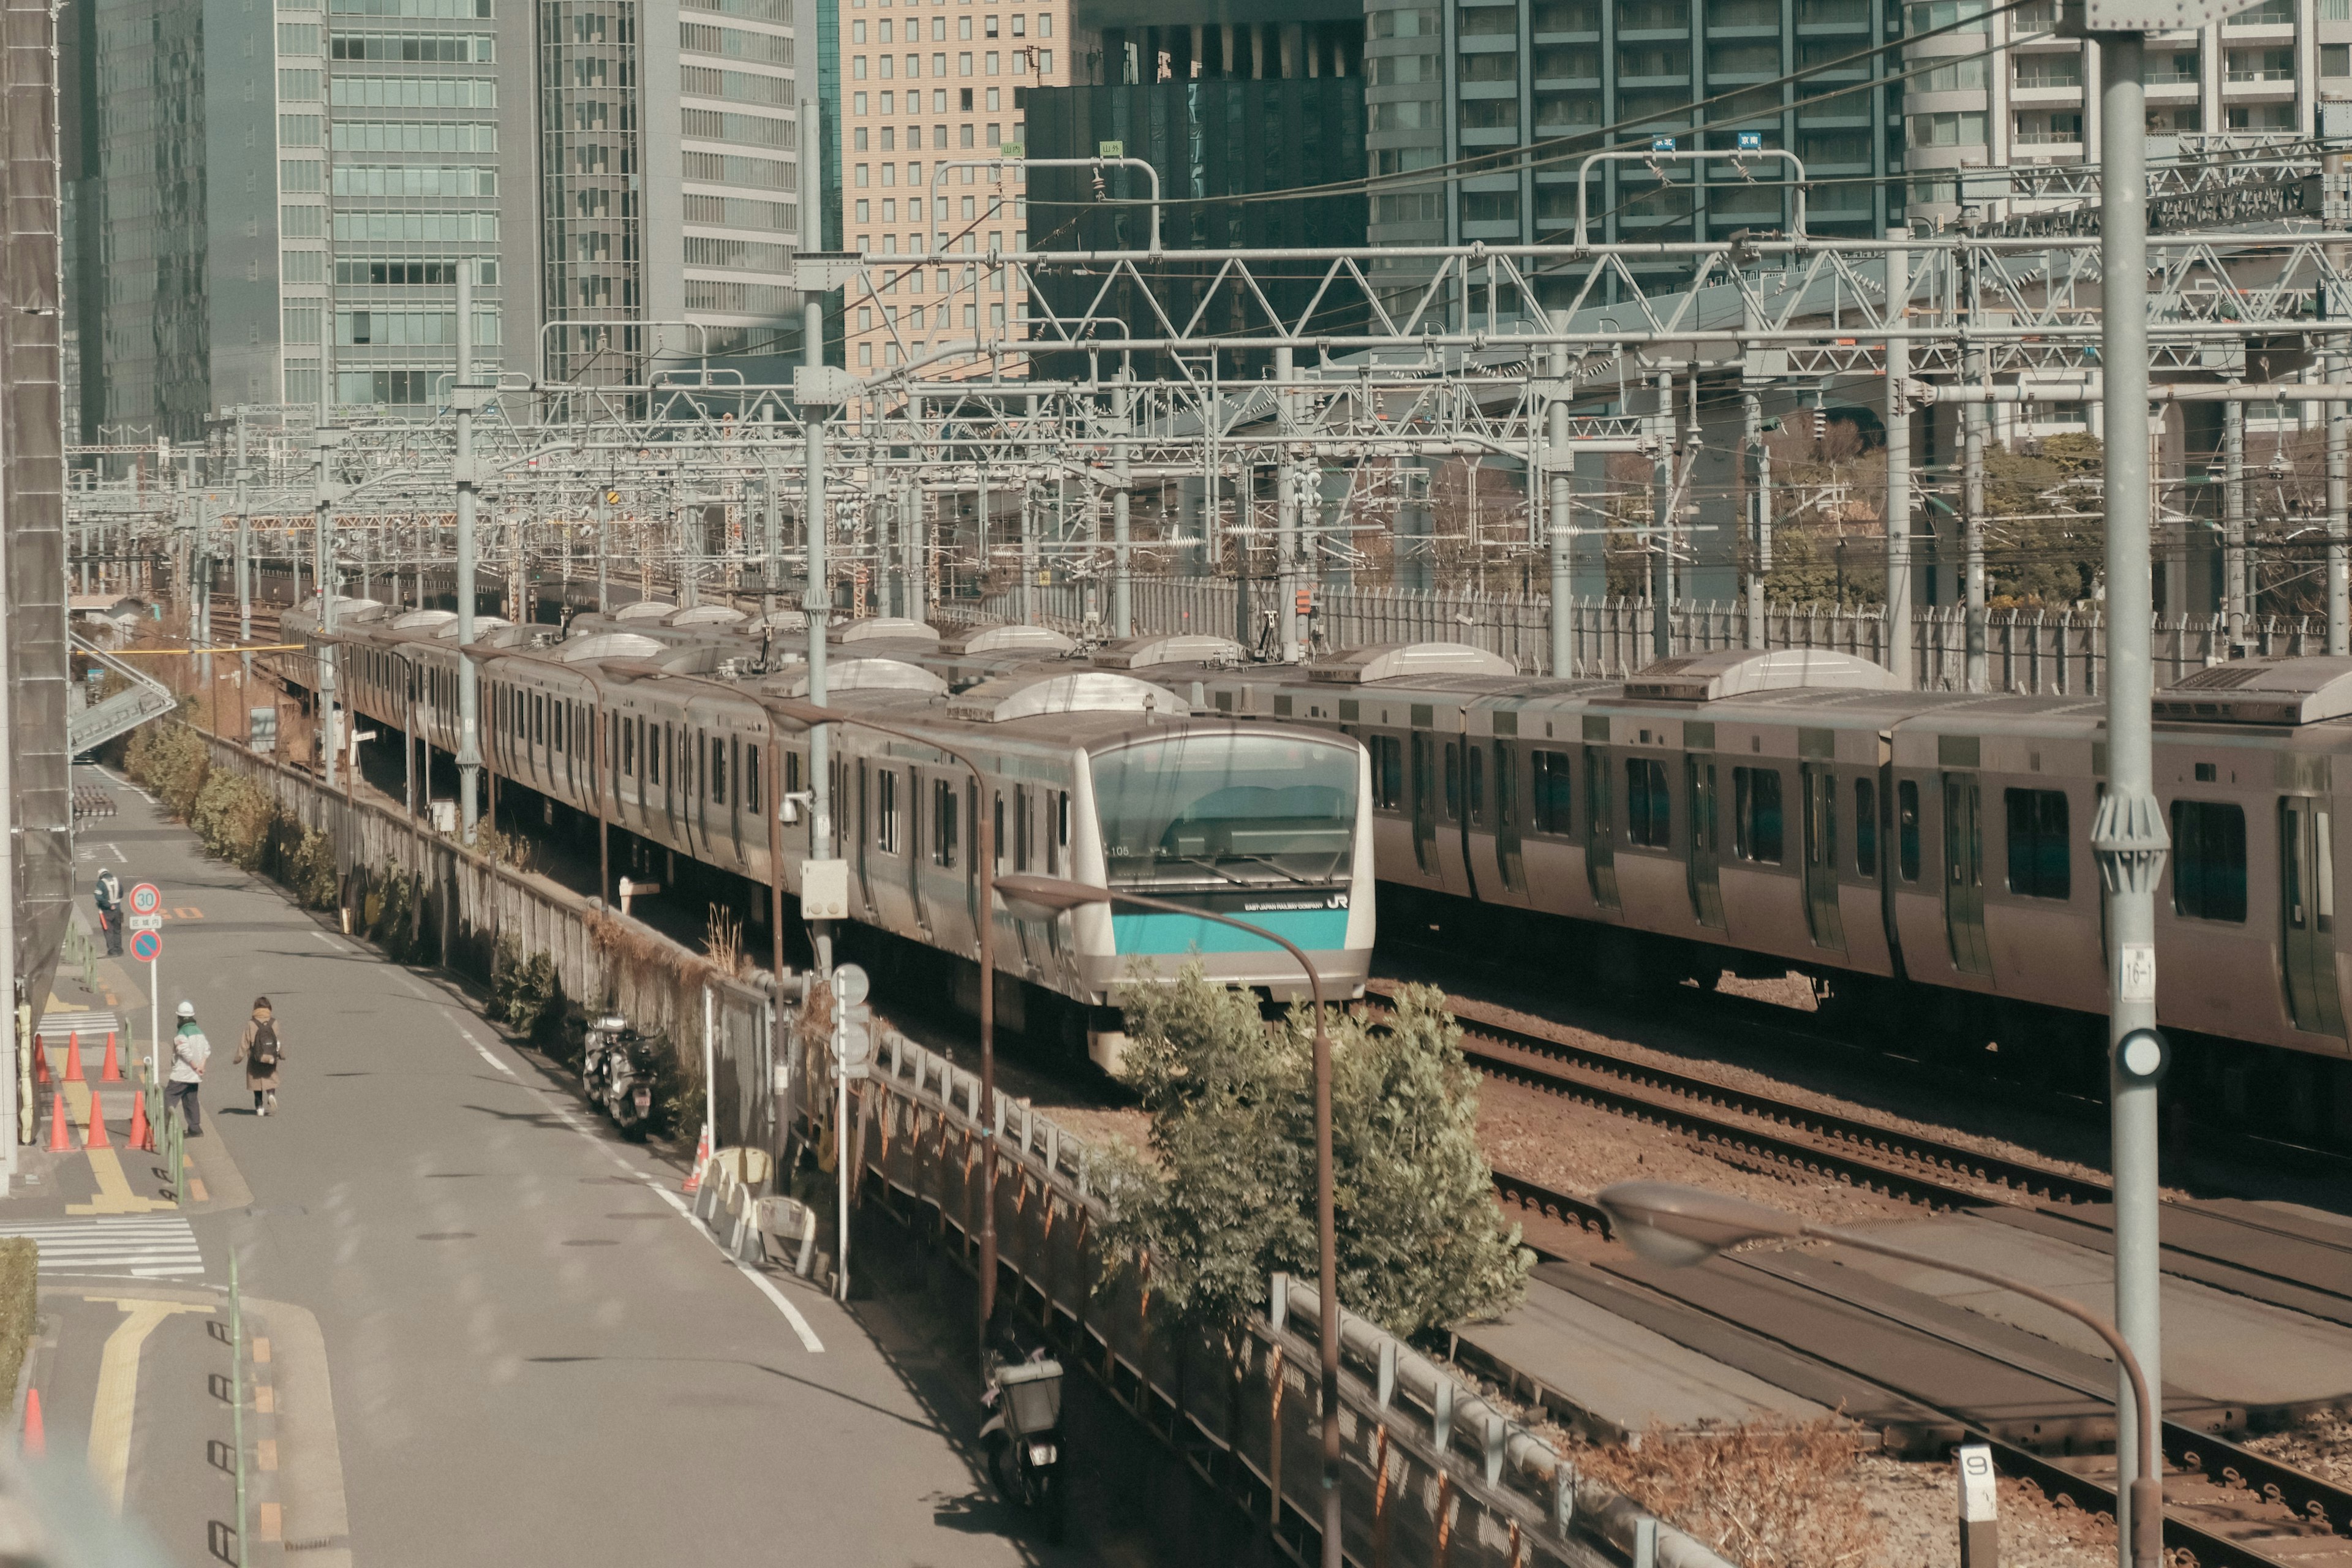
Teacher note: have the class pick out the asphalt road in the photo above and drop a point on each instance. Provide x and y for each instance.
(486, 1332)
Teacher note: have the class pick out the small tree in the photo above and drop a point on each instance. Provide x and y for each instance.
(1230, 1197)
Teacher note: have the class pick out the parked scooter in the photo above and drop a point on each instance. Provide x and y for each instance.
(1023, 1439)
(616, 1071)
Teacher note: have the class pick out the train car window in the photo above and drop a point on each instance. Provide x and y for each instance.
(562, 713)
(1906, 829)
(1649, 812)
(654, 746)
(1058, 840)
(1453, 781)
(943, 823)
(1866, 828)
(719, 769)
(612, 742)
(2209, 860)
(1506, 795)
(1756, 815)
(538, 720)
(996, 829)
(1021, 831)
(2040, 859)
(1387, 773)
(886, 811)
(629, 747)
(1477, 783)
(1552, 801)
(751, 775)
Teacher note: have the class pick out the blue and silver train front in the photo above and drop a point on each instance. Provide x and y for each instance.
(1267, 826)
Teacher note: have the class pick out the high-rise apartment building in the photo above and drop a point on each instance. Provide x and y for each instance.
(2034, 99)
(1569, 78)
(274, 203)
(927, 88)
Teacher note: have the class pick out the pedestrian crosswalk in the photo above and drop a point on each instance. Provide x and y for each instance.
(58, 1026)
(140, 1246)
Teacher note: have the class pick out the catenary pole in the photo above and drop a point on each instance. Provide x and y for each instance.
(2128, 832)
(465, 398)
(1561, 534)
(1898, 467)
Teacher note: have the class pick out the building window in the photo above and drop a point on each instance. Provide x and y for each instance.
(1958, 130)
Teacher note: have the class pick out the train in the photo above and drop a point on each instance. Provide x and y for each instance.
(1099, 776)
(1922, 860)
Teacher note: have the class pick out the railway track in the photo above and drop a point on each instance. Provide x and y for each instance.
(2226, 1506)
(1764, 1127)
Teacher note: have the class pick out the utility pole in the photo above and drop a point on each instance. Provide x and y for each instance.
(465, 400)
(2127, 833)
(1122, 540)
(1759, 511)
(2233, 522)
(1898, 465)
(603, 551)
(323, 503)
(2339, 510)
(243, 478)
(1286, 514)
(1974, 418)
(1662, 521)
(1562, 532)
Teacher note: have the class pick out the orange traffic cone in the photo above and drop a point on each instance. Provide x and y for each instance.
(37, 1439)
(73, 1057)
(693, 1183)
(142, 1133)
(61, 1138)
(40, 1061)
(97, 1138)
(112, 1071)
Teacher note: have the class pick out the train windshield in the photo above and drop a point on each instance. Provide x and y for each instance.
(1253, 810)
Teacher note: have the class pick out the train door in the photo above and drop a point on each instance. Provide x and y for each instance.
(1425, 802)
(2307, 914)
(1964, 874)
(1705, 841)
(862, 835)
(1820, 785)
(1507, 852)
(1599, 831)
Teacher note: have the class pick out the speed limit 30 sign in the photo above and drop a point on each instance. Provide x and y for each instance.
(146, 899)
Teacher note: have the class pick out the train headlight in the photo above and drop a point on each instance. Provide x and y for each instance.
(2144, 1055)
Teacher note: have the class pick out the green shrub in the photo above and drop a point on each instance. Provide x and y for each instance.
(522, 990)
(19, 1302)
(168, 758)
(390, 909)
(233, 815)
(310, 870)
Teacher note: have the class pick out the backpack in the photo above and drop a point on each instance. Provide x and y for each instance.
(265, 1046)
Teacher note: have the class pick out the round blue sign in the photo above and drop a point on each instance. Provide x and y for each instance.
(146, 946)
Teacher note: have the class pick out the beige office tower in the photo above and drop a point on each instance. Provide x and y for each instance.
(1981, 126)
(927, 89)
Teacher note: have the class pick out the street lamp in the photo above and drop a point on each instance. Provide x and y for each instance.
(1668, 1223)
(1054, 894)
(985, 864)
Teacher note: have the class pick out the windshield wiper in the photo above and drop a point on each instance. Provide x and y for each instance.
(1287, 875)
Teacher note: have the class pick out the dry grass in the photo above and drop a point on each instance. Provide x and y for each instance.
(620, 943)
(1763, 1496)
(723, 938)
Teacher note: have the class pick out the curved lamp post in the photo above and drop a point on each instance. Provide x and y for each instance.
(1056, 895)
(984, 872)
(1668, 1223)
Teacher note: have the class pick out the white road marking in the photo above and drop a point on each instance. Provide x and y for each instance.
(119, 855)
(766, 1287)
(483, 1051)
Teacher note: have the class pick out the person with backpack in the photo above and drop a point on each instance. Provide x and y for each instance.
(261, 1051)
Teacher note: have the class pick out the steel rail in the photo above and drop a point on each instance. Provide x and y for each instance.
(2311, 1499)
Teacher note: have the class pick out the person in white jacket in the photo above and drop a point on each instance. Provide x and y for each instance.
(190, 1052)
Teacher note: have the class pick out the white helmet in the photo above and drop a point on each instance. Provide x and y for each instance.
(187, 1009)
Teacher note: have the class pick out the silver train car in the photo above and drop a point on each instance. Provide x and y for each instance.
(1922, 857)
(1099, 776)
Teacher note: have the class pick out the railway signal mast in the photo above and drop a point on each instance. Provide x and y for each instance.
(2128, 834)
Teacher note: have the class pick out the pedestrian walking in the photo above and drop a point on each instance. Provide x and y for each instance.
(108, 896)
(261, 1051)
(190, 1052)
